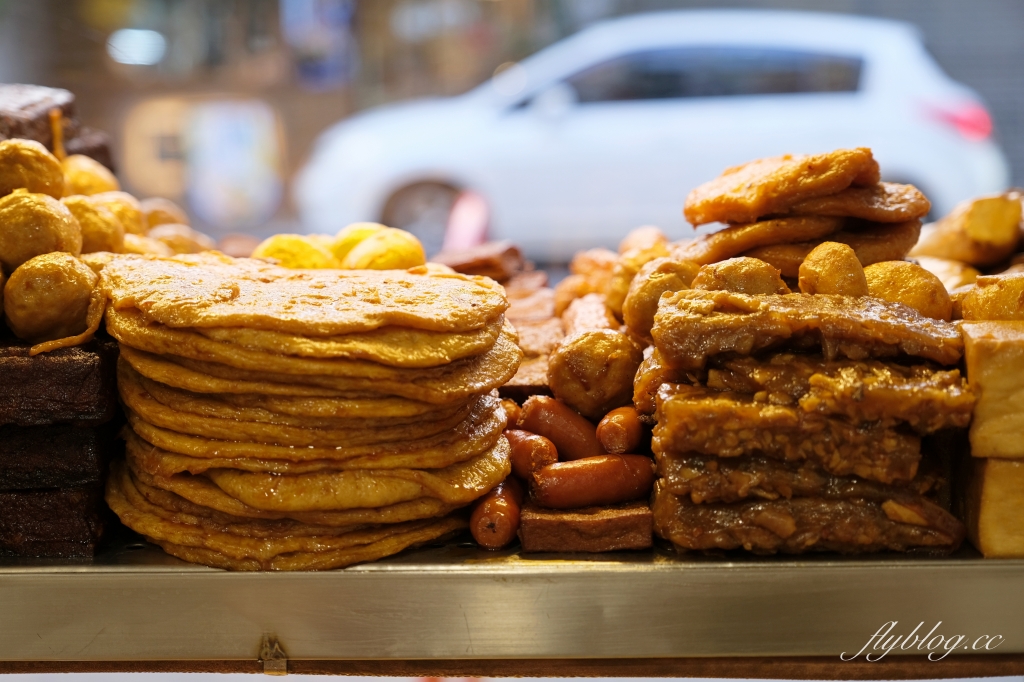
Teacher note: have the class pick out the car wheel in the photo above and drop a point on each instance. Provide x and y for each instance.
(422, 209)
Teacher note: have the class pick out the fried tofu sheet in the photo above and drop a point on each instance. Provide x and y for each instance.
(210, 290)
(692, 326)
(745, 193)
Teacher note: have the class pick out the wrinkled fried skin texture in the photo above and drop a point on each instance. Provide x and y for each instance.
(706, 479)
(101, 230)
(211, 290)
(478, 432)
(26, 164)
(652, 373)
(48, 297)
(832, 268)
(726, 424)
(924, 397)
(735, 240)
(886, 202)
(741, 275)
(908, 283)
(34, 224)
(244, 544)
(626, 269)
(339, 490)
(743, 194)
(655, 278)
(871, 242)
(592, 372)
(995, 297)
(692, 326)
(805, 524)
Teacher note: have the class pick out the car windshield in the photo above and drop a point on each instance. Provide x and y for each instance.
(715, 71)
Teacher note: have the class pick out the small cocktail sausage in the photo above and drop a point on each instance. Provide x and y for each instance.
(530, 452)
(609, 479)
(574, 437)
(495, 519)
(620, 431)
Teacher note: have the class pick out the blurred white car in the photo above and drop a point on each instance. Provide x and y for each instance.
(612, 127)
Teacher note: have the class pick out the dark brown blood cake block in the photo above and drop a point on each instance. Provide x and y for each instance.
(65, 522)
(25, 112)
(69, 385)
(54, 456)
(93, 143)
(592, 529)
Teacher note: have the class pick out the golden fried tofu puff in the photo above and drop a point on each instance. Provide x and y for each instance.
(652, 280)
(127, 209)
(833, 268)
(47, 297)
(900, 281)
(182, 238)
(159, 211)
(34, 224)
(742, 275)
(101, 230)
(592, 371)
(26, 164)
(85, 175)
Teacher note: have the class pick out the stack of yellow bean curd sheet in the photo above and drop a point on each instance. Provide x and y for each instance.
(303, 419)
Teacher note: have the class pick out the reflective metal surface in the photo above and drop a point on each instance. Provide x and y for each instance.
(135, 603)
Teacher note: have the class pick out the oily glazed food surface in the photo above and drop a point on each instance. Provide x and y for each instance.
(209, 290)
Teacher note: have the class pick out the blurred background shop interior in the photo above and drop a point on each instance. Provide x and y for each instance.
(559, 124)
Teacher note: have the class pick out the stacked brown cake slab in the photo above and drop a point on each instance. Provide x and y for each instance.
(300, 419)
(56, 437)
(25, 113)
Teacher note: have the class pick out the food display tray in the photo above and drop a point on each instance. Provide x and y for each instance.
(456, 609)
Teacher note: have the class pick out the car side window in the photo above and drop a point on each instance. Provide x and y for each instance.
(715, 71)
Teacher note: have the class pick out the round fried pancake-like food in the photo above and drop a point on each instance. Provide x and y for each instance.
(293, 552)
(211, 405)
(327, 490)
(392, 346)
(179, 497)
(478, 432)
(212, 290)
(742, 194)
(436, 384)
(886, 202)
(146, 406)
(732, 241)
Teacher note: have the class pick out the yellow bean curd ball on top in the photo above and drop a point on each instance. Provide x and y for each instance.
(127, 209)
(85, 175)
(900, 281)
(389, 249)
(48, 297)
(350, 235)
(296, 251)
(34, 224)
(26, 164)
(160, 211)
(101, 230)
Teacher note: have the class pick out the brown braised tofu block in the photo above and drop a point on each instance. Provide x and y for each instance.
(995, 360)
(994, 507)
(592, 529)
(525, 283)
(65, 522)
(497, 260)
(53, 456)
(70, 385)
(806, 524)
(531, 379)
